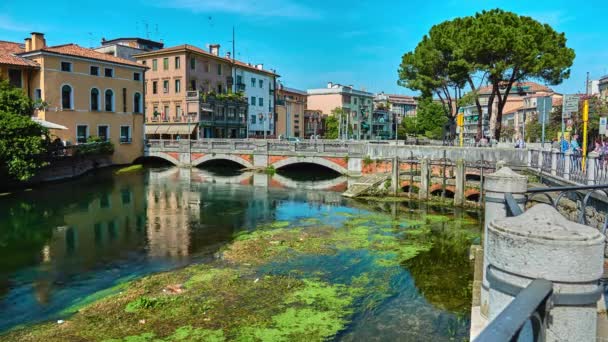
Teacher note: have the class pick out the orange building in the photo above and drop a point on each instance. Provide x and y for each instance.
(88, 92)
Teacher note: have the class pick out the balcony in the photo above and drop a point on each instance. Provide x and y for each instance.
(192, 95)
(240, 87)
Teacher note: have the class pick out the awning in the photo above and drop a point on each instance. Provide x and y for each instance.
(48, 124)
(170, 128)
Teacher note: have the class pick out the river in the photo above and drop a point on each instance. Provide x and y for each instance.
(62, 242)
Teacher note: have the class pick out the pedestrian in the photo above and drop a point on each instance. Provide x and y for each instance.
(565, 145)
(574, 145)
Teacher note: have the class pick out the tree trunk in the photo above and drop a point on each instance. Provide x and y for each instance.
(479, 110)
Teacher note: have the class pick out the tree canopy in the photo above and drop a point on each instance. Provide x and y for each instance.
(21, 139)
(497, 47)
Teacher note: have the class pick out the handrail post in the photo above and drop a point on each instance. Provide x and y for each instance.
(423, 191)
(591, 167)
(502, 181)
(567, 164)
(554, 155)
(540, 160)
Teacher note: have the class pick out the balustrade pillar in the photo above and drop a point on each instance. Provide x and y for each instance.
(592, 167)
(554, 156)
(395, 176)
(542, 244)
(540, 160)
(567, 164)
(496, 185)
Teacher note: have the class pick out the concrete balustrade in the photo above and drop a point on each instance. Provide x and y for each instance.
(496, 185)
(542, 244)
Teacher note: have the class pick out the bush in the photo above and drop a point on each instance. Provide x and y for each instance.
(94, 148)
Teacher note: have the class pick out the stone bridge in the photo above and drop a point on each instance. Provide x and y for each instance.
(351, 158)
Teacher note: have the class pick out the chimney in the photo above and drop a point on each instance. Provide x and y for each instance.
(28, 44)
(214, 49)
(38, 41)
(259, 66)
(330, 85)
(228, 54)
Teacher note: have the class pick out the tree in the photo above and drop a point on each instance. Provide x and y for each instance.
(21, 139)
(510, 48)
(331, 127)
(429, 120)
(436, 67)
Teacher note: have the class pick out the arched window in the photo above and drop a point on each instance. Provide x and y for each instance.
(66, 97)
(109, 100)
(94, 99)
(137, 103)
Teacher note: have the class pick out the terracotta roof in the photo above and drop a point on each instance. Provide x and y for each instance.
(193, 48)
(78, 51)
(512, 110)
(7, 55)
(533, 88)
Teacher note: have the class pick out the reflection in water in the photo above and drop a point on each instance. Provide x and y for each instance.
(63, 242)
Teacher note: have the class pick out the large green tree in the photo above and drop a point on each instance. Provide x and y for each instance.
(510, 48)
(21, 139)
(429, 120)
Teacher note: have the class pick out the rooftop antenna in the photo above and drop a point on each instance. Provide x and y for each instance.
(147, 29)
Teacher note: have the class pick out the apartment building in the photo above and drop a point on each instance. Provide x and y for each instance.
(358, 104)
(290, 108)
(175, 84)
(314, 123)
(127, 47)
(258, 86)
(401, 105)
(515, 101)
(90, 93)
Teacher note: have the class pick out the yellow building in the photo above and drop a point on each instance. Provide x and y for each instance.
(90, 93)
(290, 107)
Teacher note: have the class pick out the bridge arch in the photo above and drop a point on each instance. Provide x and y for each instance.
(171, 159)
(310, 160)
(232, 158)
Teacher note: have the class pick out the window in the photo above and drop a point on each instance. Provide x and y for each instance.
(239, 79)
(165, 86)
(109, 100)
(136, 76)
(94, 99)
(167, 112)
(82, 133)
(125, 134)
(124, 100)
(193, 84)
(192, 63)
(178, 86)
(14, 77)
(165, 63)
(103, 132)
(252, 82)
(261, 101)
(207, 66)
(253, 118)
(154, 87)
(108, 72)
(177, 63)
(137, 103)
(66, 97)
(66, 66)
(253, 100)
(219, 88)
(261, 83)
(37, 94)
(178, 110)
(219, 69)
(154, 65)
(94, 71)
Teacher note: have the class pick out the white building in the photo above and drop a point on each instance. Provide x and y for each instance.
(127, 47)
(258, 85)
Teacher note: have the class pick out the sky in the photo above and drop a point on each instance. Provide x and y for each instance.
(309, 43)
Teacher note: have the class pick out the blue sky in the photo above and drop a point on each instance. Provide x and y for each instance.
(308, 42)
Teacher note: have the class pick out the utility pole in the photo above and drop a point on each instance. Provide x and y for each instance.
(587, 84)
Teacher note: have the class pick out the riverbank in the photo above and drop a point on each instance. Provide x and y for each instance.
(303, 279)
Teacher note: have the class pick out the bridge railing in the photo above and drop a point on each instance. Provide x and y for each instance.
(569, 166)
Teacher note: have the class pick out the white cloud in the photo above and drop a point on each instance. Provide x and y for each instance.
(265, 8)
